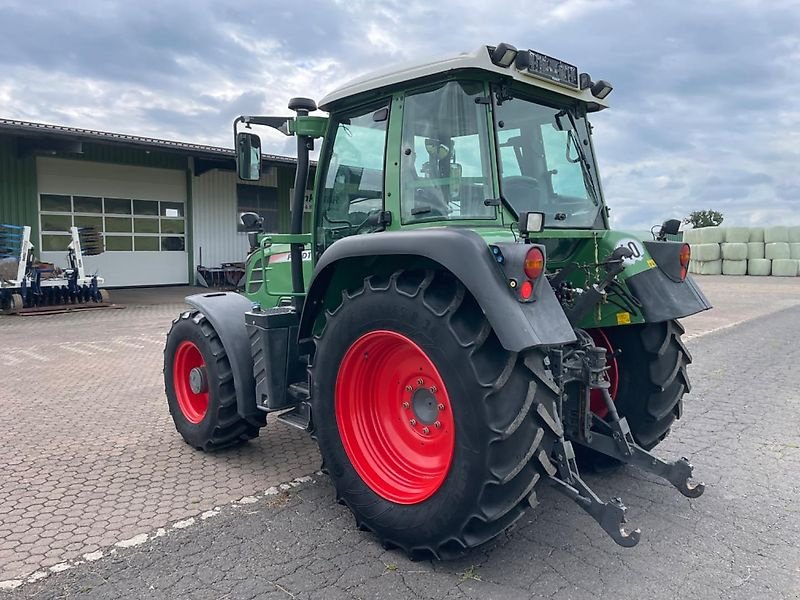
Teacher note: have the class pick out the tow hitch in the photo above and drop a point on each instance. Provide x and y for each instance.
(583, 368)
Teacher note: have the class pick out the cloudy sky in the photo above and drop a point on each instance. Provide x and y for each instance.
(705, 111)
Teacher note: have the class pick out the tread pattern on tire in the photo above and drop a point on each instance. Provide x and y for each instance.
(516, 406)
(665, 382)
(229, 428)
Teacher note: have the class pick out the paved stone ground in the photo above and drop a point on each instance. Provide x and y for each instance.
(94, 462)
(90, 454)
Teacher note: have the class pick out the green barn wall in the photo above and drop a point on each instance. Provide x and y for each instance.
(17, 187)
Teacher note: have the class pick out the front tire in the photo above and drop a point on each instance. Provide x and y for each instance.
(198, 381)
(461, 483)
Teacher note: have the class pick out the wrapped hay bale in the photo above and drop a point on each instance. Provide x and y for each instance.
(712, 235)
(755, 250)
(784, 267)
(705, 252)
(711, 267)
(759, 266)
(777, 250)
(737, 235)
(776, 234)
(794, 234)
(733, 251)
(690, 236)
(794, 250)
(734, 267)
(756, 234)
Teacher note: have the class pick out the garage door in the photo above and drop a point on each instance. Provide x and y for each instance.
(140, 210)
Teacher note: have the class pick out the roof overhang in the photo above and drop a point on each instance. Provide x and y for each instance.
(400, 75)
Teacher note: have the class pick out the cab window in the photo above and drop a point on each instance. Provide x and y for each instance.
(351, 199)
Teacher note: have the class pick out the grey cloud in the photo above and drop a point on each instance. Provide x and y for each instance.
(703, 112)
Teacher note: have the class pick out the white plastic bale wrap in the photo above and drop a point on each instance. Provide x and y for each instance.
(784, 267)
(794, 234)
(794, 250)
(711, 267)
(737, 235)
(755, 250)
(756, 234)
(733, 251)
(712, 235)
(777, 250)
(734, 267)
(776, 234)
(759, 266)
(705, 252)
(690, 236)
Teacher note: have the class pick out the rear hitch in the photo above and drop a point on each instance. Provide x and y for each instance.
(584, 366)
(609, 515)
(617, 442)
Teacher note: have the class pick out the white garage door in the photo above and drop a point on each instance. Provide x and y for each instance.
(140, 210)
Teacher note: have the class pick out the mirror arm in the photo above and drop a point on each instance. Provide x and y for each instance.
(279, 123)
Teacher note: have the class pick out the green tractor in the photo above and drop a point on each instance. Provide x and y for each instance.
(460, 320)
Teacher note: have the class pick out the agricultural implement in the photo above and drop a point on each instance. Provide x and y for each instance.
(461, 319)
(29, 287)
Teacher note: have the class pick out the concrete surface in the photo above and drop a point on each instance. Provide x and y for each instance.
(93, 460)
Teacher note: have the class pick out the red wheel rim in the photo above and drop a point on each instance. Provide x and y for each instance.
(596, 402)
(193, 404)
(394, 417)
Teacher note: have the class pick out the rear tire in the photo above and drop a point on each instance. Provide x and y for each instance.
(651, 365)
(500, 406)
(15, 304)
(207, 420)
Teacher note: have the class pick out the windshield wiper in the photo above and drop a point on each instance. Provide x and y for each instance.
(572, 135)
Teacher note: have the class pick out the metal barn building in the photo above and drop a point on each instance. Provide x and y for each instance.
(164, 207)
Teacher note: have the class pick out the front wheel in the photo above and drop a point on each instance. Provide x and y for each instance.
(199, 385)
(433, 434)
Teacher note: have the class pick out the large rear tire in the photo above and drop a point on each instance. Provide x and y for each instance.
(398, 356)
(648, 379)
(199, 385)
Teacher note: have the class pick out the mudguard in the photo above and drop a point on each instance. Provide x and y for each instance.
(663, 299)
(466, 255)
(225, 311)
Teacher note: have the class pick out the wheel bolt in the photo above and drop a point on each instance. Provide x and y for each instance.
(409, 388)
(420, 381)
(440, 406)
(437, 424)
(413, 422)
(425, 430)
(406, 405)
(434, 389)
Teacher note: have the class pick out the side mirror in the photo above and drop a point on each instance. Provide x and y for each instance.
(669, 227)
(248, 156)
(531, 222)
(251, 221)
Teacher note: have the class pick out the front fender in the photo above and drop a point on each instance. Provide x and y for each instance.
(466, 255)
(225, 311)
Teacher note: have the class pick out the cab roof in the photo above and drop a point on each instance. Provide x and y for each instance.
(395, 76)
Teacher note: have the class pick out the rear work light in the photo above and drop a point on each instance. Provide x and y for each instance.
(684, 256)
(534, 263)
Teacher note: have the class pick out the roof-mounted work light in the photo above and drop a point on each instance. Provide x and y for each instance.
(503, 55)
(601, 89)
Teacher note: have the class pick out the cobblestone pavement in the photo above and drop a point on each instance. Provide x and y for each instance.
(92, 460)
(90, 455)
(738, 541)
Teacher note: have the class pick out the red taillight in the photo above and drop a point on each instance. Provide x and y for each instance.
(534, 263)
(685, 256)
(526, 290)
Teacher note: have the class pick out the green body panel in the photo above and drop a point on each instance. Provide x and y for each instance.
(269, 276)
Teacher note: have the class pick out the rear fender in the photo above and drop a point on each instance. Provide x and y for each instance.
(225, 311)
(467, 256)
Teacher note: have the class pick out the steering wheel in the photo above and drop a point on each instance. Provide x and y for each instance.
(522, 191)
